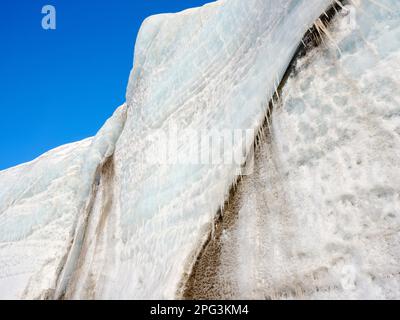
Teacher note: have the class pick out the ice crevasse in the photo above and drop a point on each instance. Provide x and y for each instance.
(94, 220)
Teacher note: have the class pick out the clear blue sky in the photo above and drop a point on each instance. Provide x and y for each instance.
(60, 86)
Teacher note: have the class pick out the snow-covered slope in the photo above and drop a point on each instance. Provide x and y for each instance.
(320, 216)
(97, 219)
(43, 205)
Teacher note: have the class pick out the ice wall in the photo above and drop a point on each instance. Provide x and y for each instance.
(42, 210)
(214, 67)
(320, 217)
(97, 220)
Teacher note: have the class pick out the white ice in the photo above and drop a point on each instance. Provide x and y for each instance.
(41, 207)
(320, 216)
(215, 67)
(93, 219)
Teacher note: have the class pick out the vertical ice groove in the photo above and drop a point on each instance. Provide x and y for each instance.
(97, 159)
(41, 209)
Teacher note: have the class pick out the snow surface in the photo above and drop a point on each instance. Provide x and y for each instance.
(94, 219)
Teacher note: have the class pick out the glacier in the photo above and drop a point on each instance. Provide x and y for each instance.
(320, 216)
(43, 208)
(94, 220)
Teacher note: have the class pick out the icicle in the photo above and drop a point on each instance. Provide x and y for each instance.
(322, 30)
(319, 31)
(339, 3)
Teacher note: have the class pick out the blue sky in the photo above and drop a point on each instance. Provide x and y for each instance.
(59, 86)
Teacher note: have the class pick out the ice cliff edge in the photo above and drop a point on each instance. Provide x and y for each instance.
(95, 220)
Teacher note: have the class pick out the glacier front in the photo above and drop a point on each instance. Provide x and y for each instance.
(320, 216)
(97, 220)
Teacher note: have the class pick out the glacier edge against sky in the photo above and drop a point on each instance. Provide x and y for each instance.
(203, 68)
(211, 67)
